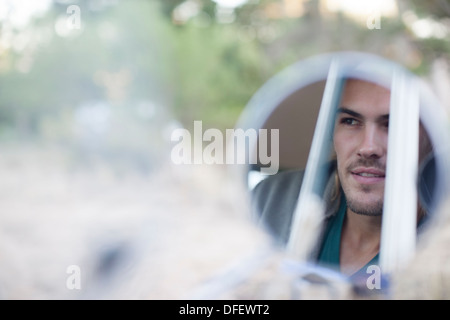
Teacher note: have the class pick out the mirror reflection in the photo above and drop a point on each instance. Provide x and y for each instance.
(362, 193)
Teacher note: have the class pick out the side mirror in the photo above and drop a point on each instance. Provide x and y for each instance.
(301, 103)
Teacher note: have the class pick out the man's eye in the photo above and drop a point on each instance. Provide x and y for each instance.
(349, 121)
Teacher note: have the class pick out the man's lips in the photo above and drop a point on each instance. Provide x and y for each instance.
(370, 175)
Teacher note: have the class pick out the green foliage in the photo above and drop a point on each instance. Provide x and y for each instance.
(198, 70)
(436, 8)
(64, 70)
(216, 74)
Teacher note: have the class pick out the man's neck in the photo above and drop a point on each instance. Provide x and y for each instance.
(360, 241)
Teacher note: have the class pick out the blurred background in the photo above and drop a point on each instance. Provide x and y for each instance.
(88, 64)
(90, 92)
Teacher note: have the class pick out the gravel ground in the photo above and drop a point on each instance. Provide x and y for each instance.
(154, 236)
(178, 232)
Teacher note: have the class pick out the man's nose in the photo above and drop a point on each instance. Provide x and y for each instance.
(371, 145)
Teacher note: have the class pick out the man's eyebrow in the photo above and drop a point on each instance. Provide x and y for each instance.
(349, 112)
(384, 117)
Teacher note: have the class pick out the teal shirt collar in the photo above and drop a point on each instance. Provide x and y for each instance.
(330, 251)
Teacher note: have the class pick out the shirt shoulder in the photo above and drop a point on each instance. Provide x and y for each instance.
(274, 200)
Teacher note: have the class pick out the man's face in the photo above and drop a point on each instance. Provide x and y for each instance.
(360, 142)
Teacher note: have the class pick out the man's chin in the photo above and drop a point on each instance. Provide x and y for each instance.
(366, 208)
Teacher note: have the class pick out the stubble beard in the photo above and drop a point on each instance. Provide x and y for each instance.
(374, 209)
(355, 196)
